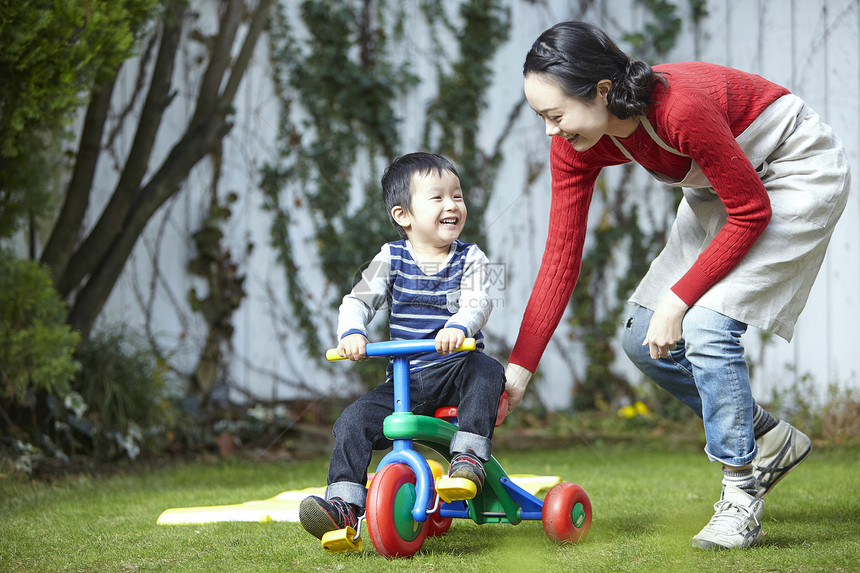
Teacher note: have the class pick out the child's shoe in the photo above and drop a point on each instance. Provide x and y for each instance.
(779, 451)
(467, 465)
(319, 516)
(736, 522)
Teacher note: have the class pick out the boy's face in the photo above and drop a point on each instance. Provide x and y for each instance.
(438, 211)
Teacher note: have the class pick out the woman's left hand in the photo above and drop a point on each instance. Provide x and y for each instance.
(664, 330)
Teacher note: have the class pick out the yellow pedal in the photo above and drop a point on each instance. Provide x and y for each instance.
(455, 489)
(341, 541)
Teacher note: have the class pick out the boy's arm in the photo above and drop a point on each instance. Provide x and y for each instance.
(475, 302)
(360, 305)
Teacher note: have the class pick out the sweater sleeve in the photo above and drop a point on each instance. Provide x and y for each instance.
(707, 138)
(572, 190)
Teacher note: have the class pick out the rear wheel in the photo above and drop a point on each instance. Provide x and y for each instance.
(392, 529)
(438, 525)
(566, 513)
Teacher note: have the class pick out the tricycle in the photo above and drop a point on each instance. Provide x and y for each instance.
(406, 503)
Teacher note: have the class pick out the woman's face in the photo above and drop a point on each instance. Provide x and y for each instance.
(580, 122)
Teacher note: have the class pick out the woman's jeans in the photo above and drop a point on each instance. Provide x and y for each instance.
(707, 372)
(473, 382)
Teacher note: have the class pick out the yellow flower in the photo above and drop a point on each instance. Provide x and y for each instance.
(627, 412)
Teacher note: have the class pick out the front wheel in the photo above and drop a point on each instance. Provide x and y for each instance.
(566, 513)
(392, 529)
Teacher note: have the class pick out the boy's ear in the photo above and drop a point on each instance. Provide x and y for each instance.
(400, 216)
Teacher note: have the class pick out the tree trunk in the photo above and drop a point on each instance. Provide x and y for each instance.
(207, 128)
(65, 233)
(102, 236)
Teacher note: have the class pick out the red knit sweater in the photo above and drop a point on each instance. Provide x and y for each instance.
(704, 108)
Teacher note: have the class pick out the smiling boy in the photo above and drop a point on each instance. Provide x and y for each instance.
(434, 286)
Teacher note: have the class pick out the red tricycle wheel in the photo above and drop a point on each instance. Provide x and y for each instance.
(566, 513)
(438, 525)
(392, 529)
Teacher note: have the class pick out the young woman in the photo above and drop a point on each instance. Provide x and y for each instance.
(765, 182)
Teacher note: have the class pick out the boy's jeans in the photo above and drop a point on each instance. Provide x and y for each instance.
(707, 372)
(474, 383)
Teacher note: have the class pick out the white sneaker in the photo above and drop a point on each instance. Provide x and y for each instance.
(779, 451)
(736, 522)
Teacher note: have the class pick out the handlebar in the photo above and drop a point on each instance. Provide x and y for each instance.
(400, 348)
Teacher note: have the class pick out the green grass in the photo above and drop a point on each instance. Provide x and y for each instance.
(649, 498)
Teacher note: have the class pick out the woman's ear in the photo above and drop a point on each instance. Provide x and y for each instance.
(400, 216)
(603, 87)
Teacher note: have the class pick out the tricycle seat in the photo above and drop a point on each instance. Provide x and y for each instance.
(450, 412)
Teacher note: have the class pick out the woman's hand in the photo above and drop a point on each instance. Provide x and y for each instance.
(664, 330)
(353, 347)
(516, 380)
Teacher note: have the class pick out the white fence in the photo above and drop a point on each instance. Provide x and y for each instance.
(811, 47)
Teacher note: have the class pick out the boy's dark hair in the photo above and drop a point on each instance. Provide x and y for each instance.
(397, 180)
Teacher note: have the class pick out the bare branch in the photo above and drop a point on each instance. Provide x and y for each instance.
(258, 25)
(219, 61)
(139, 90)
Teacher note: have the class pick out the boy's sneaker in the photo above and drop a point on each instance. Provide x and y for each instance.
(736, 522)
(319, 516)
(779, 451)
(467, 465)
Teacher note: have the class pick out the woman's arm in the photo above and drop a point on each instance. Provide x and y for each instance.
(572, 190)
(705, 135)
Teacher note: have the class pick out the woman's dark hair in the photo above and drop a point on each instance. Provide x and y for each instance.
(397, 180)
(577, 55)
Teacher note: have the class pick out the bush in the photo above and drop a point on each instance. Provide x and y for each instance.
(121, 395)
(36, 345)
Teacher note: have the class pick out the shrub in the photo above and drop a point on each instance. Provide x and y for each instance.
(123, 395)
(36, 345)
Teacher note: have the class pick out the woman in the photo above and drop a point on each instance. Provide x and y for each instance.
(764, 183)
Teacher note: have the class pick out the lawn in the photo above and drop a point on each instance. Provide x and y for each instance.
(649, 498)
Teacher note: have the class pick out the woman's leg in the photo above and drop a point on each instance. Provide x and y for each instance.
(707, 372)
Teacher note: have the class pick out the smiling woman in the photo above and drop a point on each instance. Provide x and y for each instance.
(581, 122)
(765, 182)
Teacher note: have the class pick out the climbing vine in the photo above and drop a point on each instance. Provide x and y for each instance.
(224, 293)
(453, 116)
(338, 69)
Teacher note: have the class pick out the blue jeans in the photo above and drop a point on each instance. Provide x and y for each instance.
(707, 372)
(473, 382)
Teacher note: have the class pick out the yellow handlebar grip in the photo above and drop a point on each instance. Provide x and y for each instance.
(468, 344)
(331, 355)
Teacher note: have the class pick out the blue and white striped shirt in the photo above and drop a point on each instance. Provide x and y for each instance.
(421, 298)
